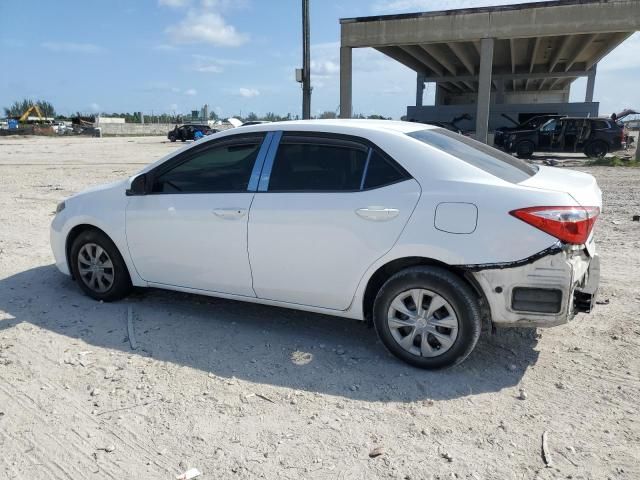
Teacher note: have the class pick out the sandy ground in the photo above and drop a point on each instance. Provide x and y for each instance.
(246, 391)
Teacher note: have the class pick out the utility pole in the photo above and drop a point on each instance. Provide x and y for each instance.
(306, 62)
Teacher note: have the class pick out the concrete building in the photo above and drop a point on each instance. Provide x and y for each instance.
(515, 60)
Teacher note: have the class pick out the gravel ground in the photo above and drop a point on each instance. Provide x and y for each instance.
(246, 391)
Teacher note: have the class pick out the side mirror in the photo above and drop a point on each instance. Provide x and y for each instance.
(138, 185)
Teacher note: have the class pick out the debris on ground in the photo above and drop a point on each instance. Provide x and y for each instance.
(447, 456)
(546, 454)
(376, 452)
(189, 474)
(132, 336)
(602, 302)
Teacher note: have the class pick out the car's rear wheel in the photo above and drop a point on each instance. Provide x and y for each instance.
(596, 149)
(98, 267)
(428, 317)
(525, 149)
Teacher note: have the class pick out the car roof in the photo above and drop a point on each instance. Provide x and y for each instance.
(333, 124)
(585, 118)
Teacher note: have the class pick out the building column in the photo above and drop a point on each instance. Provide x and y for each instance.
(346, 81)
(440, 93)
(591, 83)
(419, 89)
(484, 89)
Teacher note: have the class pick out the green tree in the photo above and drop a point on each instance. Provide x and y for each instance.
(19, 107)
(328, 114)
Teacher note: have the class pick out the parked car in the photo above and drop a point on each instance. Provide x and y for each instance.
(594, 137)
(188, 132)
(532, 123)
(407, 226)
(254, 122)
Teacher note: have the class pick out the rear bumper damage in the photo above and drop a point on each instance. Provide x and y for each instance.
(545, 290)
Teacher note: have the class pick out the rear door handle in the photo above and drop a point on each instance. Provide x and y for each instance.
(230, 213)
(378, 214)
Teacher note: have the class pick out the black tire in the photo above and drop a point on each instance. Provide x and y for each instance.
(120, 285)
(597, 149)
(451, 288)
(172, 139)
(525, 149)
(183, 139)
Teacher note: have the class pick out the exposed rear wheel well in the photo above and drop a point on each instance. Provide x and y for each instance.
(388, 270)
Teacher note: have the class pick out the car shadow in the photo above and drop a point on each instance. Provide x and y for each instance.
(261, 344)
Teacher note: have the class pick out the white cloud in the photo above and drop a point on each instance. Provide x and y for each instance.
(173, 107)
(199, 27)
(70, 47)
(324, 67)
(206, 64)
(248, 92)
(191, 92)
(174, 3)
(624, 57)
(208, 68)
(165, 48)
(94, 107)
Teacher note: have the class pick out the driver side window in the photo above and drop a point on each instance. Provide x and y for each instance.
(219, 169)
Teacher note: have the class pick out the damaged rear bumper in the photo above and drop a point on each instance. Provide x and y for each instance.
(545, 290)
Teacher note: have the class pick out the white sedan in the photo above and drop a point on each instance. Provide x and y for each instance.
(428, 234)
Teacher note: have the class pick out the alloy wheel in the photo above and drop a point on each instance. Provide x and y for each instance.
(95, 267)
(423, 322)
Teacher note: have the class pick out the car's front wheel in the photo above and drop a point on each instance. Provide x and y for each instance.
(428, 317)
(525, 149)
(98, 267)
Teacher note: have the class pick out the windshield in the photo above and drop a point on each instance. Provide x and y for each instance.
(484, 157)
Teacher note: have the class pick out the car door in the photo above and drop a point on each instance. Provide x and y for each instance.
(191, 230)
(327, 207)
(546, 135)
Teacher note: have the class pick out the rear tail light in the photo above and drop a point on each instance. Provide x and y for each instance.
(569, 224)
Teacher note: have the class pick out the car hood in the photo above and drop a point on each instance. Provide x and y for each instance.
(581, 186)
(117, 185)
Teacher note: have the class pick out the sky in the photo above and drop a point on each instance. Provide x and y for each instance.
(237, 56)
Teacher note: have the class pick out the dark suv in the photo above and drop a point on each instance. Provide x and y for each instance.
(592, 136)
(502, 134)
(188, 132)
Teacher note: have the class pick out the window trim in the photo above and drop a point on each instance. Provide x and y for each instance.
(184, 157)
(336, 140)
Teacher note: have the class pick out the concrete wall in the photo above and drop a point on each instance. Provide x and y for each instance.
(445, 113)
(550, 96)
(116, 129)
(101, 120)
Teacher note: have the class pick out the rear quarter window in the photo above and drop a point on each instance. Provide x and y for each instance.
(484, 157)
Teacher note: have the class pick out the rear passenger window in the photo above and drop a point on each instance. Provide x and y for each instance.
(599, 125)
(381, 172)
(306, 166)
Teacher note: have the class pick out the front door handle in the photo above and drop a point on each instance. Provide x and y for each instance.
(230, 213)
(378, 214)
